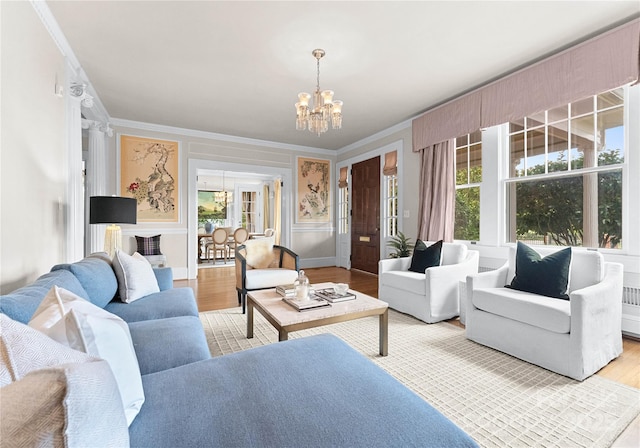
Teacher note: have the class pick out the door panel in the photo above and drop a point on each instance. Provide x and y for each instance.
(249, 214)
(365, 209)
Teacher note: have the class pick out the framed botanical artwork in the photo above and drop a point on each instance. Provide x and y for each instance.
(149, 171)
(313, 190)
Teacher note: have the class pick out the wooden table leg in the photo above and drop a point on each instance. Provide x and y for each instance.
(249, 317)
(384, 333)
(283, 335)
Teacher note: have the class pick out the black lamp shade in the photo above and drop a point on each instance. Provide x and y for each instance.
(112, 210)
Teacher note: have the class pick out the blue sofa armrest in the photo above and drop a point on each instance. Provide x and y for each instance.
(164, 277)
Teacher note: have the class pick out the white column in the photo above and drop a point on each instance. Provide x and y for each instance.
(95, 179)
(74, 213)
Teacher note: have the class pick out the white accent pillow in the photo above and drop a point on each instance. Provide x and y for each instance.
(23, 349)
(259, 252)
(56, 394)
(81, 325)
(135, 276)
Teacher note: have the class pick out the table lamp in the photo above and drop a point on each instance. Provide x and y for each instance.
(112, 210)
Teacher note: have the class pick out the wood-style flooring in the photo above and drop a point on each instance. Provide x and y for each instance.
(215, 289)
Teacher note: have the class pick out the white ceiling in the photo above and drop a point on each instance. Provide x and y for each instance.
(236, 67)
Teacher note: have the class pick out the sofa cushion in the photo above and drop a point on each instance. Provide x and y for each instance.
(587, 269)
(169, 303)
(24, 349)
(280, 388)
(548, 276)
(135, 276)
(96, 277)
(162, 344)
(269, 278)
(22, 303)
(533, 309)
(81, 325)
(70, 405)
(453, 253)
(587, 266)
(148, 245)
(425, 257)
(405, 281)
(51, 392)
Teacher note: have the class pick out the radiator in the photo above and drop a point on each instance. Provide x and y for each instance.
(631, 296)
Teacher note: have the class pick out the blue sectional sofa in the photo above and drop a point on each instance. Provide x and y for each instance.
(314, 391)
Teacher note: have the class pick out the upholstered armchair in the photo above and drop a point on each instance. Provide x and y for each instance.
(574, 337)
(432, 295)
(260, 265)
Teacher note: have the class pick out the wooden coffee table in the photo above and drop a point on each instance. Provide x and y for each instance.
(286, 319)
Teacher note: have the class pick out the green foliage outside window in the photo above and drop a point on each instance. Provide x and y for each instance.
(467, 220)
(554, 207)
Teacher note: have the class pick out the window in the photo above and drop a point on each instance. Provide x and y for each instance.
(391, 205)
(249, 217)
(390, 210)
(565, 178)
(343, 202)
(468, 178)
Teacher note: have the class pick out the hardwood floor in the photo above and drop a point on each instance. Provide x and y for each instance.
(215, 289)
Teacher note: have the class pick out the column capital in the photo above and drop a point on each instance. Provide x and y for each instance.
(98, 126)
(78, 91)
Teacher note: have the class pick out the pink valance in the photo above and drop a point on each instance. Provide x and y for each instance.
(453, 119)
(602, 63)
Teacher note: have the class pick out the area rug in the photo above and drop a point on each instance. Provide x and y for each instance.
(498, 400)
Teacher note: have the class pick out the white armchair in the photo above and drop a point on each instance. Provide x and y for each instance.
(431, 296)
(575, 337)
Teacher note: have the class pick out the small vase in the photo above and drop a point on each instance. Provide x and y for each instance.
(208, 227)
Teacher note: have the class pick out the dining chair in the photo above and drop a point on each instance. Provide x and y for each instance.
(219, 239)
(239, 236)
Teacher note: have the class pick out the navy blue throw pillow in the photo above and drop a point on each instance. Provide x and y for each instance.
(425, 257)
(548, 276)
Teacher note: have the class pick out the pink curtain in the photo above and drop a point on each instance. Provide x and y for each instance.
(436, 212)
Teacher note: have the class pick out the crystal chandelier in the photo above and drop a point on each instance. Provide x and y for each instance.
(324, 109)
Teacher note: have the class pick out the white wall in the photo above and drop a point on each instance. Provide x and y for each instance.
(33, 156)
(314, 243)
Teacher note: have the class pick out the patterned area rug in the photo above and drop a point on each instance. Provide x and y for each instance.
(497, 399)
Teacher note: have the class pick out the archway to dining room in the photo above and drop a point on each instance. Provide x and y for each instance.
(231, 195)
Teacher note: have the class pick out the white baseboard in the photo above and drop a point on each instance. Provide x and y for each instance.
(631, 320)
(317, 262)
(180, 273)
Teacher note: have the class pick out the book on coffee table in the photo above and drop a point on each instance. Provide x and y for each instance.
(311, 303)
(286, 290)
(330, 295)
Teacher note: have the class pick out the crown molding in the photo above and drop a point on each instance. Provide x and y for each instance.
(97, 111)
(375, 137)
(215, 136)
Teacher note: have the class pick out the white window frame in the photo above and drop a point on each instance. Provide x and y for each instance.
(387, 213)
(472, 184)
(507, 179)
